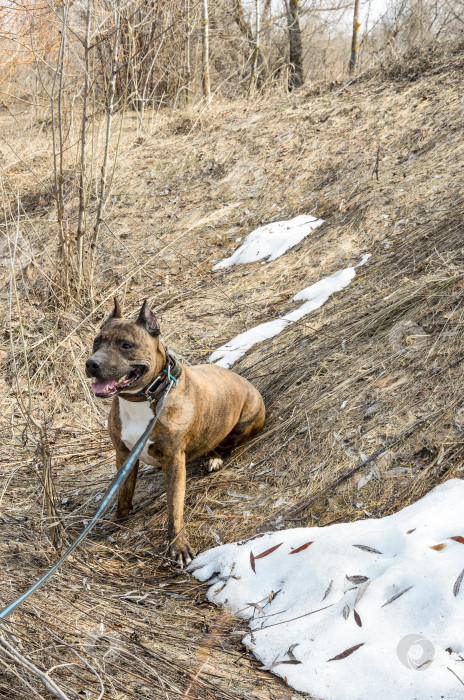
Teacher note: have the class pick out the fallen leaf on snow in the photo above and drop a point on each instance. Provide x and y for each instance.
(396, 596)
(252, 561)
(301, 547)
(365, 548)
(278, 663)
(347, 652)
(268, 551)
(361, 592)
(329, 588)
(357, 579)
(257, 606)
(457, 585)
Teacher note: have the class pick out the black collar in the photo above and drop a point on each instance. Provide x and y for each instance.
(152, 391)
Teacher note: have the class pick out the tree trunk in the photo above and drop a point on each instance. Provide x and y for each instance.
(257, 56)
(295, 78)
(82, 173)
(354, 40)
(257, 49)
(109, 119)
(188, 69)
(57, 141)
(205, 53)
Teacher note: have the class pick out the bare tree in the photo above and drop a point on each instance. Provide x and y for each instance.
(82, 165)
(239, 17)
(109, 118)
(254, 40)
(205, 79)
(57, 95)
(255, 66)
(188, 65)
(295, 78)
(354, 39)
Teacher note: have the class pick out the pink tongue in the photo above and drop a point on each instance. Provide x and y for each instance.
(101, 385)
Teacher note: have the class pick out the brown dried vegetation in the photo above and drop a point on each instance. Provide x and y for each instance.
(383, 356)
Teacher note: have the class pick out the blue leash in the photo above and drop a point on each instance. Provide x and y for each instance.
(111, 492)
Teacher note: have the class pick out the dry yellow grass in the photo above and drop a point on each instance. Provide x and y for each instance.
(380, 357)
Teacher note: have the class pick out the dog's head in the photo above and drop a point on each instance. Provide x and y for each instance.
(125, 353)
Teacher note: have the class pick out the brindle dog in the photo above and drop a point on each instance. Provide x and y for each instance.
(209, 409)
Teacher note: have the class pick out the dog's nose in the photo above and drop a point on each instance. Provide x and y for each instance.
(92, 365)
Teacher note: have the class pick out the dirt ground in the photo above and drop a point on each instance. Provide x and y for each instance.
(375, 374)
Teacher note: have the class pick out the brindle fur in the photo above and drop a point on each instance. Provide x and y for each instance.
(210, 408)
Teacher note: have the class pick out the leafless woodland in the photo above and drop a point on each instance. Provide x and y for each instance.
(138, 141)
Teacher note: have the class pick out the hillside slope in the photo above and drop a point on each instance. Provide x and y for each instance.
(377, 371)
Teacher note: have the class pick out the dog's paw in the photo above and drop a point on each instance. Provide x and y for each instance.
(214, 464)
(121, 515)
(181, 553)
(115, 522)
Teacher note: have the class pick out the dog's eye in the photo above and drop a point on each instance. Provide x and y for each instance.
(126, 346)
(97, 341)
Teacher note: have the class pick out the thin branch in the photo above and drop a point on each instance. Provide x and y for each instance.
(43, 677)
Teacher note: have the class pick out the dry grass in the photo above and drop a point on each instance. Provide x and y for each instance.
(383, 355)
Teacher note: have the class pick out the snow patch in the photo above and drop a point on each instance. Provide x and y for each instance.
(315, 296)
(271, 241)
(369, 609)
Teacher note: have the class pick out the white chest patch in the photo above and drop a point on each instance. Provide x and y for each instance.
(135, 417)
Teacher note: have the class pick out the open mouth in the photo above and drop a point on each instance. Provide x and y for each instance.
(105, 388)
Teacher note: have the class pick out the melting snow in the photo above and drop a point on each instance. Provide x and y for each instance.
(315, 296)
(271, 241)
(369, 609)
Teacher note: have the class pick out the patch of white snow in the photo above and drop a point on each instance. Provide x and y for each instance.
(315, 296)
(271, 241)
(369, 609)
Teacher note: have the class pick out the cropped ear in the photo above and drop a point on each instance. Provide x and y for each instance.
(148, 320)
(116, 313)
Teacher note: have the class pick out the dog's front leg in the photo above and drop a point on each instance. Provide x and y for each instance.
(174, 476)
(126, 492)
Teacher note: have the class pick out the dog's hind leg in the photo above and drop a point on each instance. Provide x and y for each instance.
(250, 423)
